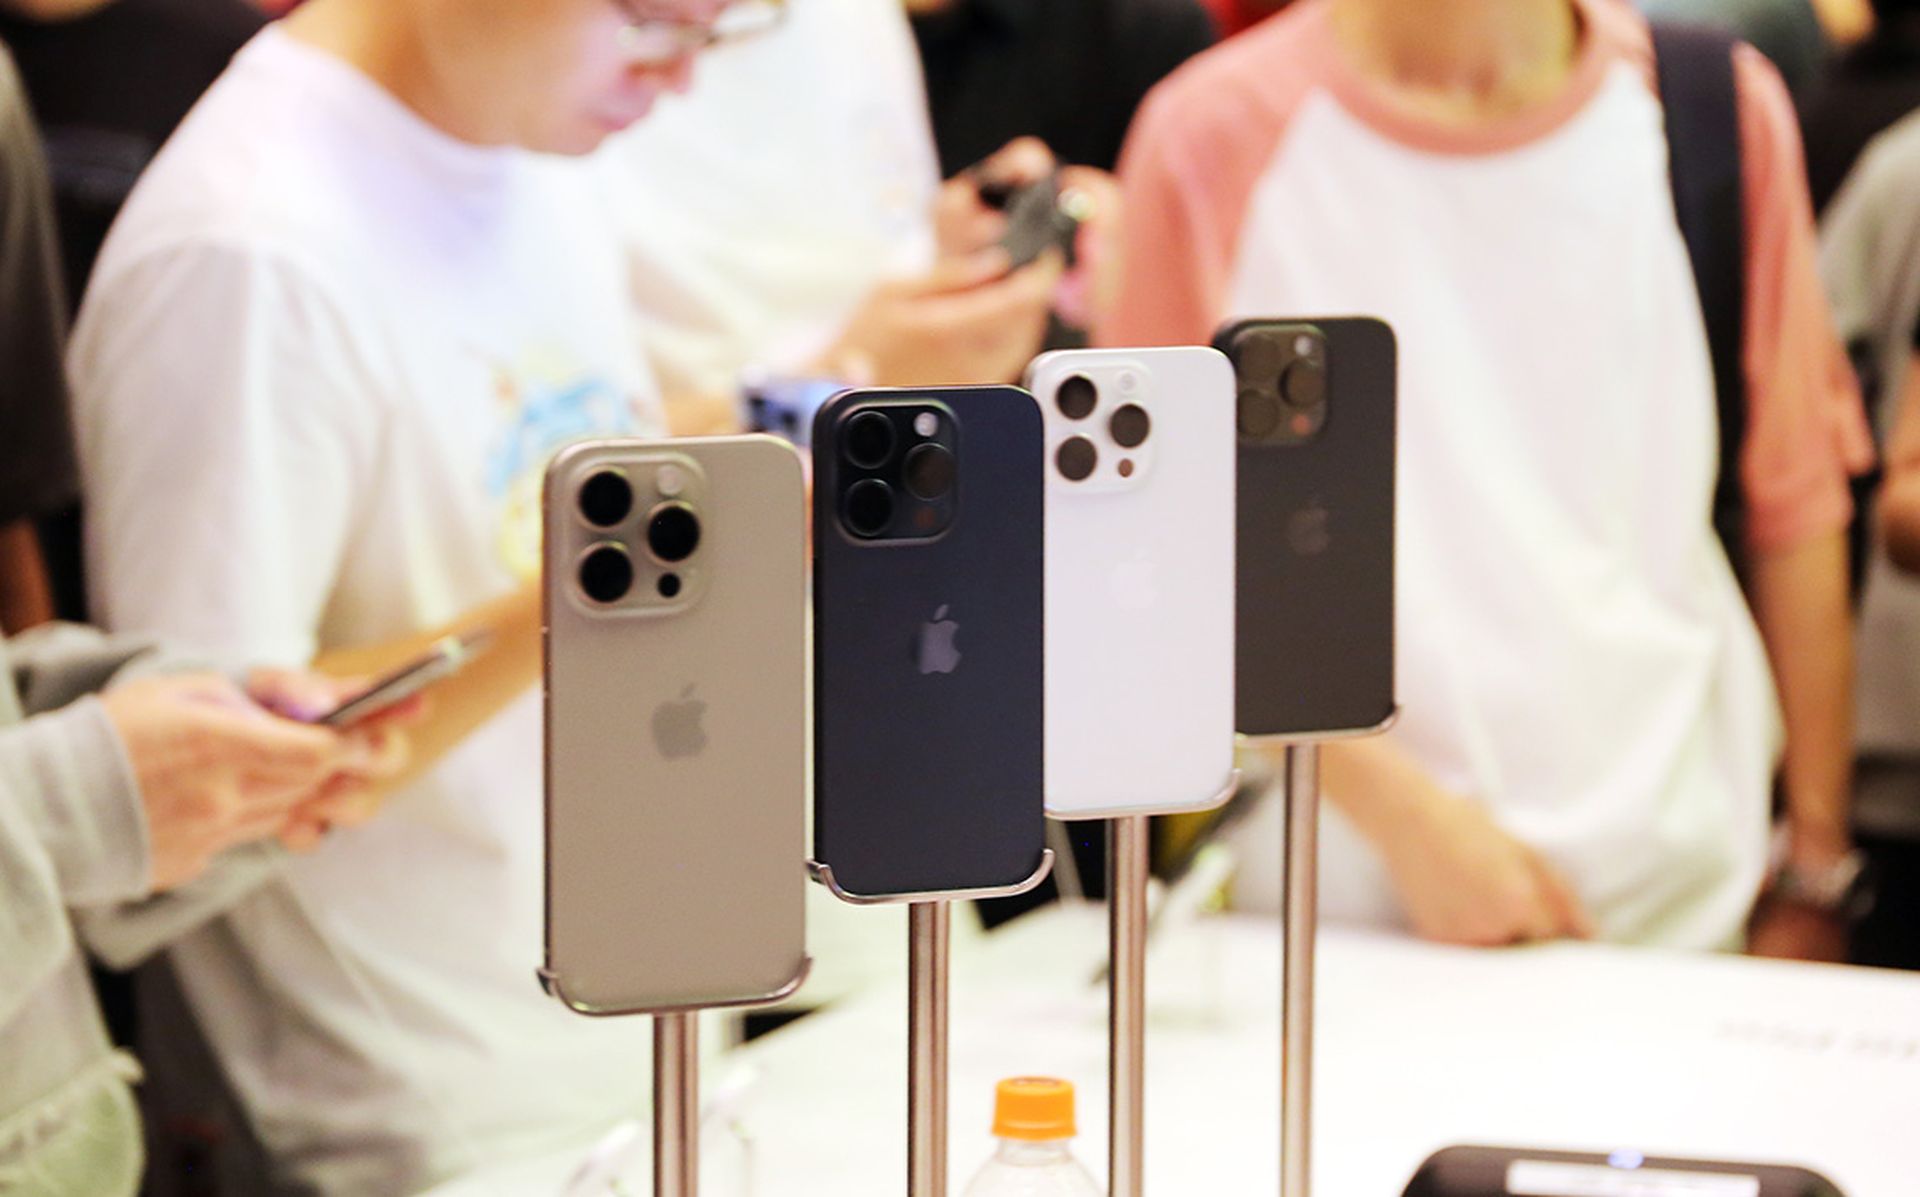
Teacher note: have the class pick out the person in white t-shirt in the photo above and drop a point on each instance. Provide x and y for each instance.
(1592, 712)
(328, 348)
(789, 218)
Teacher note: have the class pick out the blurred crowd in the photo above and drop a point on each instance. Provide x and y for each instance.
(296, 301)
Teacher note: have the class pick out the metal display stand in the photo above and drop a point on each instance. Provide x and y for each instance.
(1129, 861)
(929, 925)
(676, 1104)
(1299, 916)
(1127, 868)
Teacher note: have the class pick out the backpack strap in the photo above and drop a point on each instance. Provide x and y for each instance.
(1695, 71)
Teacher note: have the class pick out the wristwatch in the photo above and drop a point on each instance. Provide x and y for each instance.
(1844, 888)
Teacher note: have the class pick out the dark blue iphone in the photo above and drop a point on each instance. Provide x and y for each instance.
(928, 518)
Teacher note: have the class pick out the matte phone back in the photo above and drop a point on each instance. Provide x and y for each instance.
(1315, 611)
(676, 738)
(1140, 580)
(928, 663)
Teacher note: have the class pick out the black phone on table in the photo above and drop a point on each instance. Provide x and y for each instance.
(1518, 1172)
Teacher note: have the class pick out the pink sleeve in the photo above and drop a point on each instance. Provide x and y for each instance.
(1174, 259)
(1195, 152)
(1806, 430)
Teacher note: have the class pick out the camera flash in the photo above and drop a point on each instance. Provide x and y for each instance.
(926, 423)
(1303, 346)
(670, 481)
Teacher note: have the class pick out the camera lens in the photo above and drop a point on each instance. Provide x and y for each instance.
(1259, 413)
(605, 499)
(673, 532)
(1077, 397)
(1130, 426)
(1076, 458)
(1304, 385)
(868, 507)
(605, 574)
(869, 440)
(930, 471)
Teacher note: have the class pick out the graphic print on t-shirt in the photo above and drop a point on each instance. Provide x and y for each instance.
(540, 407)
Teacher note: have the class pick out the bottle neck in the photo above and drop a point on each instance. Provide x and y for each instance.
(1028, 1153)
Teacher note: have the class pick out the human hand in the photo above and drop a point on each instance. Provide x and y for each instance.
(374, 751)
(964, 223)
(1463, 879)
(968, 320)
(1785, 930)
(1094, 198)
(213, 769)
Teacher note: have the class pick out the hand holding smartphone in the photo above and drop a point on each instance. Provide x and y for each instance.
(445, 658)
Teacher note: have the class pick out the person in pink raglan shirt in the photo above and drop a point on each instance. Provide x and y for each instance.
(1593, 711)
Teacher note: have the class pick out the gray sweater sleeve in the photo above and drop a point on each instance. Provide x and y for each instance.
(71, 831)
(102, 864)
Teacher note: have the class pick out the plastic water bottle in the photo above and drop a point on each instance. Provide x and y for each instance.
(1033, 1119)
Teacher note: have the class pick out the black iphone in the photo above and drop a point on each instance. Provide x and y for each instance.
(928, 518)
(1314, 613)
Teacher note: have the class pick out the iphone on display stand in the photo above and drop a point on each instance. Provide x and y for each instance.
(1314, 633)
(928, 576)
(1140, 579)
(676, 700)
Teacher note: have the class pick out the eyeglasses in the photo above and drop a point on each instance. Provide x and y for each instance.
(652, 40)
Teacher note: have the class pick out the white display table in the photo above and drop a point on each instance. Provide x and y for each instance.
(1565, 1046)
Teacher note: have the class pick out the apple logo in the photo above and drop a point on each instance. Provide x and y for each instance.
(937, 651)
(676, 726)
(1136, 582)
(1307, 531)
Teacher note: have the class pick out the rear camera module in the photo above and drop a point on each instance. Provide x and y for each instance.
(673, 533)
(1077, 397)
(1259, 413)
(1304, 385)
(1077, 459)
(930, 471)
(869, 440)
(1130, 426)
(605, 499)
(606, 575)
(868, 508)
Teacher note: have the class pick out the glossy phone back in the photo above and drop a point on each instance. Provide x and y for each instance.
(676, 724)
(1140, 579)
(1316, 483)
(927, 640)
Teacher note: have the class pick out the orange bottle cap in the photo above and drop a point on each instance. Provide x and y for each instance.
(1034, 1108)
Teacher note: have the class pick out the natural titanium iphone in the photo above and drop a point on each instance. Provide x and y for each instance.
(928, 575)
(1315, 625)
(676, 698)
(1140, 579)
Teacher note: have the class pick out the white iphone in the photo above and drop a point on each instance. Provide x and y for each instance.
(1141, 450)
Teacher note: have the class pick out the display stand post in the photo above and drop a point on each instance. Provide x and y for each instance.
(676, 1104)
(1299, 916)
(929, 923)
(1127, 866)
(928, 927)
